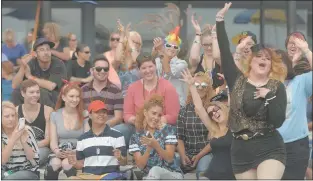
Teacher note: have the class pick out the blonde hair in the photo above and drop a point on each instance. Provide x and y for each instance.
(9, 35)
(69, 35)
(212, 125)
(53, 29)
(278, 69)
(209, 93)
(206, 31)
(155, 100)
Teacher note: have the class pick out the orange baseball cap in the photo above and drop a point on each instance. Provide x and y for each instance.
(96, 106)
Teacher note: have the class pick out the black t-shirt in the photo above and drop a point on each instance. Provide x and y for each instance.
(75, 70)
(55, 73)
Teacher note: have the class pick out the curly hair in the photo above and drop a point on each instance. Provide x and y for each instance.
(155, 100)
(278, 69)
(213, 126)
(52, 30)
(209, 93)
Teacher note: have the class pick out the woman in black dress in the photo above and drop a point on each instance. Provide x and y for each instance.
(257, 107)
(215, 118)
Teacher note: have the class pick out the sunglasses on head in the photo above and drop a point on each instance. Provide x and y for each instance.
(99, 69)
(169, 46)
(202, 85)
(215, 109)
(115, 39)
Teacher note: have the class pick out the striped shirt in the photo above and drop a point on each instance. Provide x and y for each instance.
(97, 151)
(111, 95)
(18, 160)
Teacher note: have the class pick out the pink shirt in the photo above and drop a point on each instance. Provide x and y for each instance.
(113, 76)
(134, 99)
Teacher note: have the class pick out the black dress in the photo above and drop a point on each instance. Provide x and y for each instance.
(252, 116)
(220, 167)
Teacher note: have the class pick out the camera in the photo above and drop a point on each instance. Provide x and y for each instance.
(67, 146)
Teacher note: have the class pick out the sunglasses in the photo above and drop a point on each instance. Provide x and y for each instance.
(169, 46)
(87, 52)
(203, 85)
(215, 109)
(99, 69)
(207, 45)
(115, 39)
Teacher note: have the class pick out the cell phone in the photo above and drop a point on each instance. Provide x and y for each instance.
(21, 123)
(148, 134)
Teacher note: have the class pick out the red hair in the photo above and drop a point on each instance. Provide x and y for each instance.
(80, 107)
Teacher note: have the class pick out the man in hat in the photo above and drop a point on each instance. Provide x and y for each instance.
(102, 149)
(45, 70)
(169, 66)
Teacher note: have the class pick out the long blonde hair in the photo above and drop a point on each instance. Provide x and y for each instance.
(155, 100)
(213, 126)
(209, 93)
(53, 30)
(278, 69)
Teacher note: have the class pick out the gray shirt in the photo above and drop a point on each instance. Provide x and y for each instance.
(177, 66)
(63, 134)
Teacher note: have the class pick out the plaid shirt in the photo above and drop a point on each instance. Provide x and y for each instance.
(111, 95)
(191, 130)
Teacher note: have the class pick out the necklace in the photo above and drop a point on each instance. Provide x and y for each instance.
(143, 88)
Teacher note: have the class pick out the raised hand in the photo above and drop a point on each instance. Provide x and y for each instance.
(187, 77)
(224, 10)
(242, 44)
(157, 44)
(195, 24)
(301, 44)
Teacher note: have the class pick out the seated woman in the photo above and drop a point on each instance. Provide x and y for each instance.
(215, 118)
(67, 125)
(193, 143)
(153, 148)
(78, 69)
(20, 155)
(37, 117)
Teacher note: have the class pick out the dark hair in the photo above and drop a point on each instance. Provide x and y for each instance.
(297, 34)
(26, 84)
(100, 57)
(79, 48)
(285, 58)
(144, 57)
(302, 67)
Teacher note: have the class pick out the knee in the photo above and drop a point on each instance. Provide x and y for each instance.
(204, 163)
(66, 165)
(55, 163)
(156, 170)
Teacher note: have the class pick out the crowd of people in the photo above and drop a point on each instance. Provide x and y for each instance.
(225, 115)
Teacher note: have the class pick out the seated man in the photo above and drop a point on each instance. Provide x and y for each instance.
(45, 70)
(102, 149)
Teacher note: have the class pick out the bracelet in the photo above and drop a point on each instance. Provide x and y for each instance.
(196, 41)
(197, 34)
(219, 18)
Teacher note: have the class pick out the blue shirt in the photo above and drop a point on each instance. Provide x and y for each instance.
(127, 78)
(6, 89)
(298, 90)
(166, 136)
(14, 53)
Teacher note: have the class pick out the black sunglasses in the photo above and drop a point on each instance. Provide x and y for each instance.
(115, 39)
(99, 69)
(169, 46)
(87, 52)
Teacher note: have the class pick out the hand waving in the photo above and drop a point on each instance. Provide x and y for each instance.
(195, 24)
(301, 44)
(158, 44)
(242, 44)
(223, 11)
(121, 28)
(187, 77)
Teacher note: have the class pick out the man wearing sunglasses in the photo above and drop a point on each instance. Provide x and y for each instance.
(101, 88)
(169, 66)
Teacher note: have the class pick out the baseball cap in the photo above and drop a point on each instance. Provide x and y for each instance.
(96, 106)
(42, 41)
(236, 39)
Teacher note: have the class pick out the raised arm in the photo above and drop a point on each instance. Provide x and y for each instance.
(227, 61)
(215, 48)
(196, 45)
(303, 51)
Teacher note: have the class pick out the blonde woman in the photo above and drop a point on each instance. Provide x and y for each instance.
(52, 33)
(126, 53)
(72, 44)
(19, 154)
(153, 148)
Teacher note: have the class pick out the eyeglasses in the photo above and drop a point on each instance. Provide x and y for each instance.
(115, 39)
(203, 85)
(87, 52)
(99, 69)
(207, 45)
(169, 46)
(72, 39)
(215, 109)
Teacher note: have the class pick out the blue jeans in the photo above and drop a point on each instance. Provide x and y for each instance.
(203, 164)
(127, 130)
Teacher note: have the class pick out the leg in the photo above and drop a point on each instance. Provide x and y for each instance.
(43, 155)
(53, 169)
(68, 169)
(127, 130)
(270, 169)
(250, 175)
(22, 175)
(158, 173)
(203, 164)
